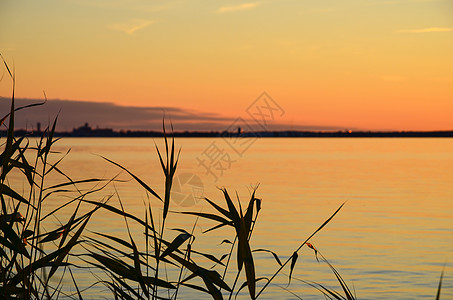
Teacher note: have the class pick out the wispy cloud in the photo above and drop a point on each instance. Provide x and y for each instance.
(427, 30)
(132, 26)
(240, 7)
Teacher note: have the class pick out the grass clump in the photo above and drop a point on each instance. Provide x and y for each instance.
(30, 254)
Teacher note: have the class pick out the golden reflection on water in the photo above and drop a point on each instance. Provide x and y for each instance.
(390, 240)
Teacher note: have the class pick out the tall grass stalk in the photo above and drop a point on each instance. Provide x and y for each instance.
(31, 255)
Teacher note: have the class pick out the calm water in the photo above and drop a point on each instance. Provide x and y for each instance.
(390, 240)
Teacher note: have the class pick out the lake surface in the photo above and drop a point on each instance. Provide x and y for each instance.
(389, 241)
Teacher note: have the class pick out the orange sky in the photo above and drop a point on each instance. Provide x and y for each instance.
(352, 63)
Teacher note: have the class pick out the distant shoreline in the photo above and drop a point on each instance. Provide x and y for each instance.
(86, 131)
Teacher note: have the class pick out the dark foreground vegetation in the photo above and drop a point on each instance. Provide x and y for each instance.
(36, 259)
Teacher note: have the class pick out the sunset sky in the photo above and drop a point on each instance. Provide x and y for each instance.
(360, 64)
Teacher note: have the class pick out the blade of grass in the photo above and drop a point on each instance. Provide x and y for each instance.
(6, 190)
(143, 184)
(71, 243)
(178, 241)
(136, 257)
(245, 256)
(118, 212)
(294, 258)
(277, 259)
(213, 276)
(243, 285)
(439, 288)
(211, 257)
(75, 284)
(286, 262)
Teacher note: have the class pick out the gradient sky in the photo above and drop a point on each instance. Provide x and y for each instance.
(379, 65)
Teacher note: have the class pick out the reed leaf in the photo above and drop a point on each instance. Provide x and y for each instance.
(219, 209)
(211, 257)
(213, 290)
(28, 170)
(115, 266)
(258, 205)
(78, 198)
(54, 165)
(15, 146)
(35, 265)
(124, 284)
(309, 245)
(15, 243)
(74, 183)
(15, 247)
(75, 284)
(70, 224)
(243, 285)
(13, 217)
(22, 107)
(141, 182)
(51, 236)
(213, 276)
(343, 285)
(439, 287)
(245, 257)
(234, 213)
(27, 233)
(293, 264)
(269, 251)
(159, 282)
(107, 247)
(137, 268)
(124, 270)
(169, 169)
(330, 292)
(71, 243)
(118, 212)
(249, 215)
(6, 190)
(154, 236)
(49, 141)
(115, 239)
(8, 151)
(181, 238)
(208, 216)
(218, 226)
(286, 262)
(195, 287)
(119, 293)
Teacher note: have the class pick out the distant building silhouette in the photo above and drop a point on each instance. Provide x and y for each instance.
(87, 131)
